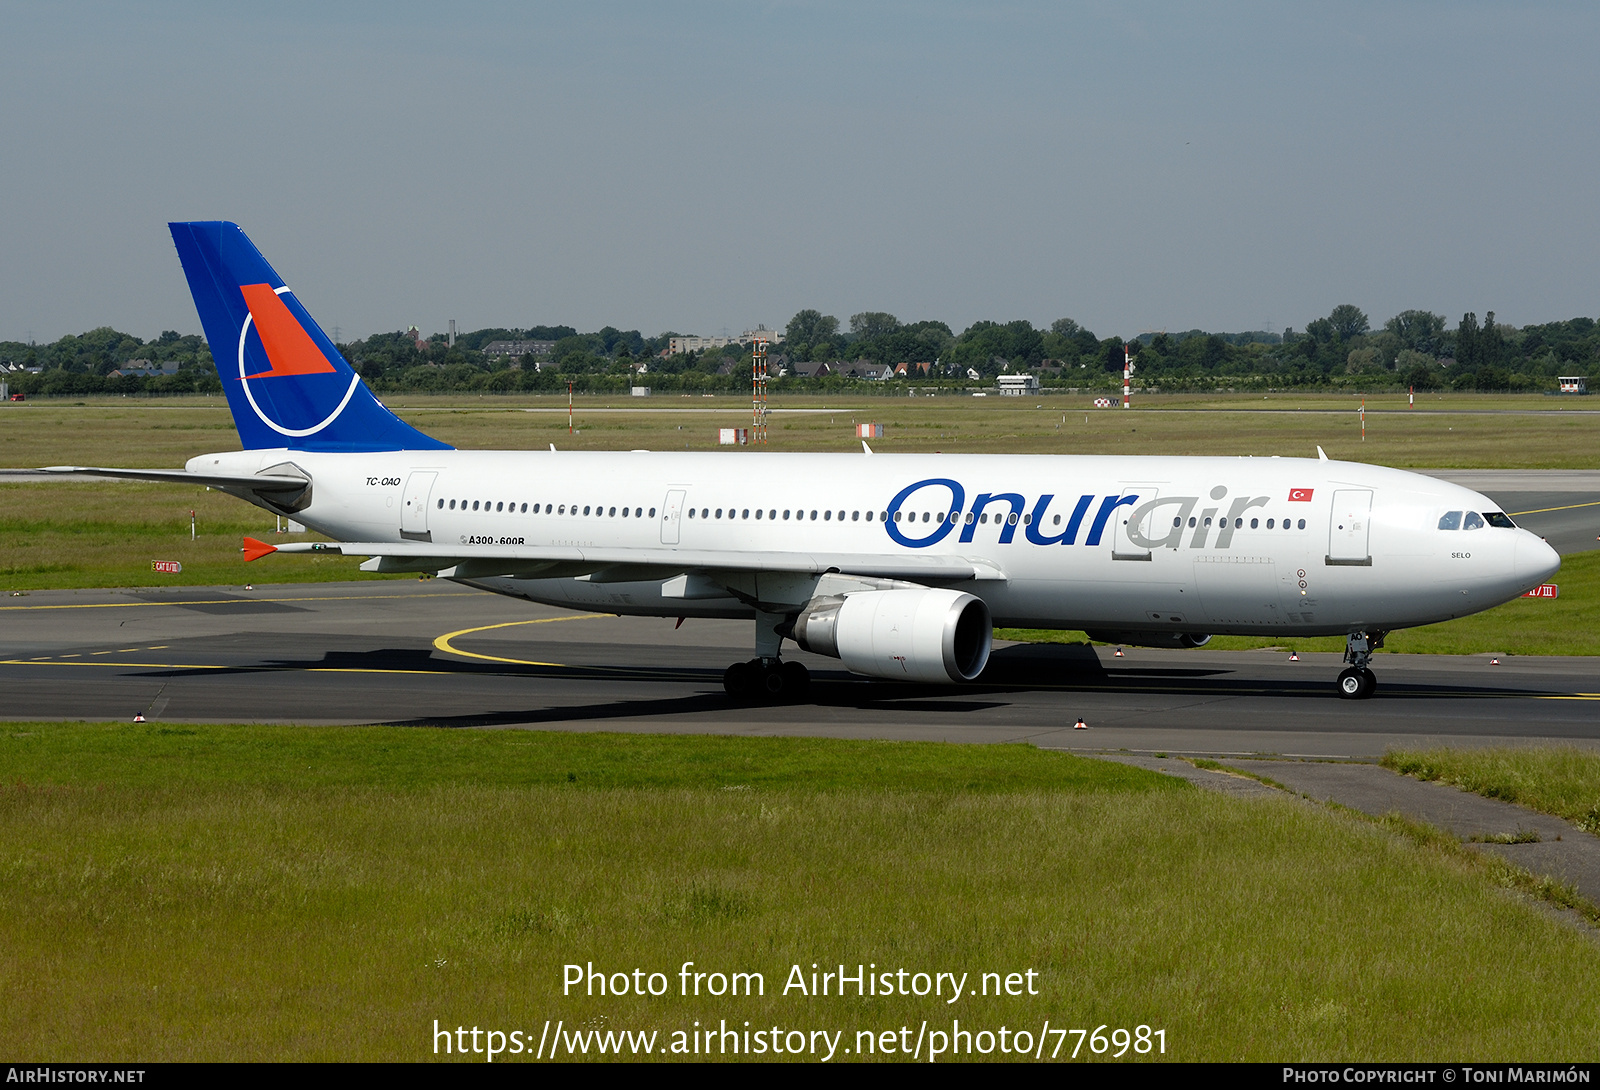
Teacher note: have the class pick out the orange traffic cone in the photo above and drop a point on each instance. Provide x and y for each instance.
(1293, 657)
(1119, 653)
(138, 719)
(1494, 662)
(1080, 725)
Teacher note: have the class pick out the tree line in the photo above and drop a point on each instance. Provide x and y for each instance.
(1415, 348)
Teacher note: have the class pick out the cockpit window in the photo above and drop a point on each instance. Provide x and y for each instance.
(1473, 521)
(1500, 519)
(1450, 520)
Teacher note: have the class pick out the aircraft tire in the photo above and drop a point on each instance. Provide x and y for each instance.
(1354, 684)
(796, 680)
(1371, 680)
(739, 680)
(774, 683)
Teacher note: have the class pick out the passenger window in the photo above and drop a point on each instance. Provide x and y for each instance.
(1473, 521)
(691, 512)
(1450, 520)
(452, 505)
(1271, 524)
(524, 509)
(500, 507)
(613, 513)
(705, 512)
(441, 504)
(586, 509)
(984, 518)
(1238, 524)
(745, 513)
(758, 512)
(1012, 518)
(1254, 523)
(855, 516)
(897, 516)
(786, 514)
(652, 512)
(624, 512)
(1193, 522)
(813, 516)
(869, 516)
(773, 513)
(719, 512)
(474, 505)
(1302, 524)
(1057, 521)
(826, 515)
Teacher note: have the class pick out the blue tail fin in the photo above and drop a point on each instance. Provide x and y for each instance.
(287, 384)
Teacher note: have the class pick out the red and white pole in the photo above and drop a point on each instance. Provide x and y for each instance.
(1411, 398)
(1127, 369)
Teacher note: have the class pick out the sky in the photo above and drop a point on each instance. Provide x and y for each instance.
(702, 166)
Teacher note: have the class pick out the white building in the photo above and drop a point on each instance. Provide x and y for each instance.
(1017, 385)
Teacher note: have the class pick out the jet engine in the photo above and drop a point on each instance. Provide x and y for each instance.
(1152, 639)
(919, 634)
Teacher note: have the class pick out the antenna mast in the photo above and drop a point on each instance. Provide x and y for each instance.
(758, 389)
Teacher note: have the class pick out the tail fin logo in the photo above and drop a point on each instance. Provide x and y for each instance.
(291, 354)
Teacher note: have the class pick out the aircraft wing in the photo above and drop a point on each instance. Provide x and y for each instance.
(616, 565)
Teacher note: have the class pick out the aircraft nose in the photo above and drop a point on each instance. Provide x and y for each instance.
(1536, 561)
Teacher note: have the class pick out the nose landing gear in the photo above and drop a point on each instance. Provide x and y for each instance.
(1357, 682)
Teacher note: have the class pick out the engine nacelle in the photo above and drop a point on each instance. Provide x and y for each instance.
(1152, 639)
(922, 634)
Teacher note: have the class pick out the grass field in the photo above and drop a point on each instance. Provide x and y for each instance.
(1560, 781)
(262, 893)
(1454, 430)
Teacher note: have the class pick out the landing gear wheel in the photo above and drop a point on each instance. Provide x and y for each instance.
(796, 680)
(739, 680)
(1356, 684)
(774, 685)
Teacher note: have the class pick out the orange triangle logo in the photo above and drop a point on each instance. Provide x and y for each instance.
(288, 345)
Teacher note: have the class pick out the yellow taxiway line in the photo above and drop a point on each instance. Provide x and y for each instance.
(443, 642)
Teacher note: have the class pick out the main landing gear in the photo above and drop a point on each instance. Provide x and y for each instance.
(766, 678)
(1357, 682)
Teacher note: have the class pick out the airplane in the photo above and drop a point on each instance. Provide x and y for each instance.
(898, 565)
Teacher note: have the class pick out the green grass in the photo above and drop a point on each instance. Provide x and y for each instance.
(1564, 781)
(175, 892)
(1568, 625)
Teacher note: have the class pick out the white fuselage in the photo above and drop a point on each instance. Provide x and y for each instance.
(1205, 545)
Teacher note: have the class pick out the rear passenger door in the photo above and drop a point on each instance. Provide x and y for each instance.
(671, 513)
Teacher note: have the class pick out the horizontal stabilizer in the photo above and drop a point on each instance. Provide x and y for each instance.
(256, 482)
(255, 550)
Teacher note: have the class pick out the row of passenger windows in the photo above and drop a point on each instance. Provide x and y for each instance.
(1471, 520)
(1453, 517)
(1238, 523)
(599, 511)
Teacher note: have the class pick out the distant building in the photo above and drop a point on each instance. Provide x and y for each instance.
(1573, 384)
(1017, 385)
(676, 346)
(146, 369)
(519, 348)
